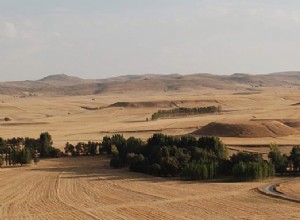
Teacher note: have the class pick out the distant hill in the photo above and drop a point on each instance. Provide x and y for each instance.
(68, 85)
(62, 79)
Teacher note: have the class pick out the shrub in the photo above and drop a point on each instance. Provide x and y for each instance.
(115, 162)
(139, 164)
(55, 153)
(170, 166)
(155, 169)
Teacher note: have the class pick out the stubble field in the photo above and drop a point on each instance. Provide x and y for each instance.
(86, 188)
(84, 118)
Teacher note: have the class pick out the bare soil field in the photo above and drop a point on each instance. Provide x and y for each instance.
(86, 188)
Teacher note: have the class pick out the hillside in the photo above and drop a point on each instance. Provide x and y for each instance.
(68, 85)
(62, 80)
(250, 130)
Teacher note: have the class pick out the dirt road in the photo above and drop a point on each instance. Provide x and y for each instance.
(86, 188)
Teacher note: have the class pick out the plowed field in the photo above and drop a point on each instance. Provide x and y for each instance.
(86, 188)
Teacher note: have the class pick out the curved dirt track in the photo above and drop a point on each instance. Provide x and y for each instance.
(86, 188)
(274, 190)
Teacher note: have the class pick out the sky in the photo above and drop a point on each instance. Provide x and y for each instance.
(106, 38)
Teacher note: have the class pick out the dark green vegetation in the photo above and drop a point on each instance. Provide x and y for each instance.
(248, 166)
(90, 148)
(22, 150)
(161, 155)
(284, 163)
(190, 158)
(180, 112)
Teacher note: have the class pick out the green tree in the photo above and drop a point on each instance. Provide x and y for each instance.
(45, 144)
(215, 145)
(55, 153)
(169, 166)
(295, 158)
(25, 156)
(139, 164)
(115, 162)
(246, 157)
(134, 145)
(280, 161)
(69, 148)
(32, 144)
(106, 144)
(249, 171)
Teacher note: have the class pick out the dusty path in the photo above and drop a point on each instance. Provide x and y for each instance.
(86, 188)
(288, 190)
(273, 190)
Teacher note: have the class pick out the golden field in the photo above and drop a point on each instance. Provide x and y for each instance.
(86, 188)
(84, 118)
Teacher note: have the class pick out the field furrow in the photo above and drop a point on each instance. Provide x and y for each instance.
(86, 188)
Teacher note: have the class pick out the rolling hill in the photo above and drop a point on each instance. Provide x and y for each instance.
(68, 85)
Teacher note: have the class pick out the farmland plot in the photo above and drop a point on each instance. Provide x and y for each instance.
(86, 188)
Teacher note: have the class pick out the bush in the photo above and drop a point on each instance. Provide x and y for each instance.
(155, 169)
(115, 162)
(55, 153)
(169, 166)
(139, 164)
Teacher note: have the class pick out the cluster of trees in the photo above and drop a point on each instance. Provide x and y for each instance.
(23, 150)
(81, 148)
(187, 157)
(178, 112)
(251, 166)
(284, 163)
(12, 152)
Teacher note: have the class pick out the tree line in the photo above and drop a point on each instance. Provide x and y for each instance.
(161, 155)
(21, 151)
(179, 112)
(81, 148)
(285, 163)
(188, 157)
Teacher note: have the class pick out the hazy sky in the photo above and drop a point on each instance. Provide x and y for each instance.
(103, 38)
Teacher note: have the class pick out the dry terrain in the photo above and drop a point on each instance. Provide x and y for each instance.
(247, 119)
(86, 188)
(256, 111)
(291, 187)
